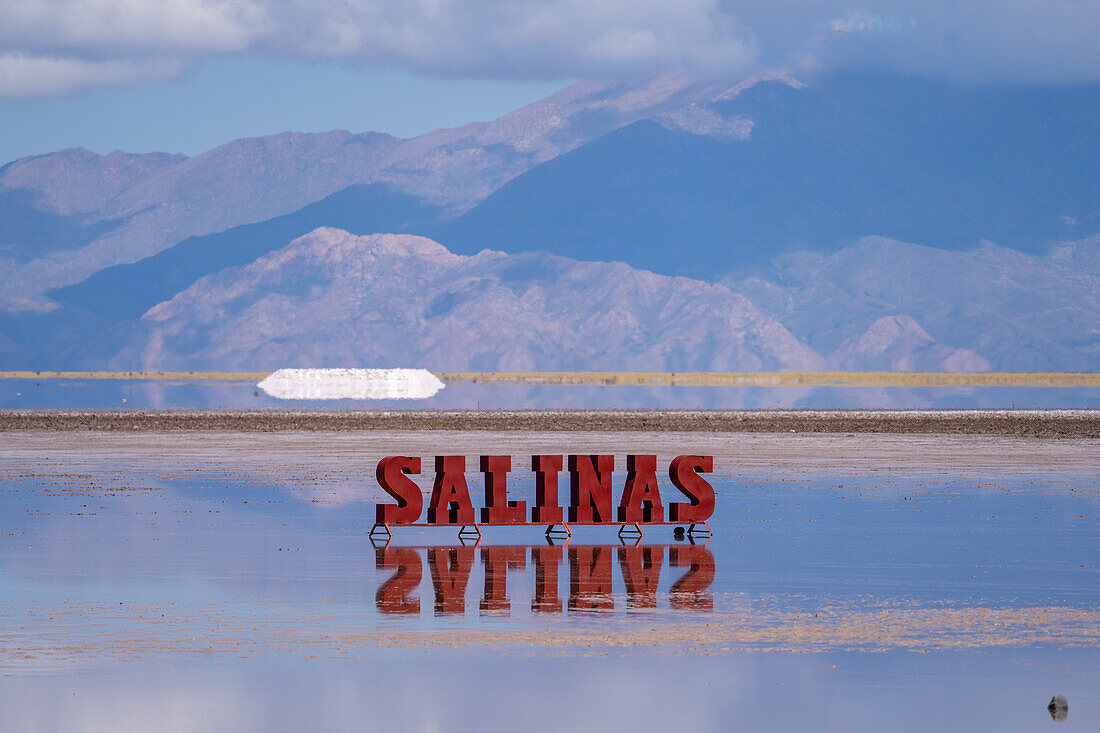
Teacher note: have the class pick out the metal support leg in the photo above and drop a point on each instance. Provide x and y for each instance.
(692, 530)
(385, 530)
(473, 534)
(563, 531)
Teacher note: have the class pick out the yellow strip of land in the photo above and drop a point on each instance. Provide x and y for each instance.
(785, 379)
(659, 379)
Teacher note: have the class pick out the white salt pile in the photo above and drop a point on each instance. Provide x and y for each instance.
(355, 384)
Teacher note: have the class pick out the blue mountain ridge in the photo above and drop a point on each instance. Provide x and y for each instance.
(822, 167)
(27, 232)
(126, 291)
(98, 315)
(842, 158)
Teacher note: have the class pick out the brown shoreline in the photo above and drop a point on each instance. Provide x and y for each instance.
(1032, 423)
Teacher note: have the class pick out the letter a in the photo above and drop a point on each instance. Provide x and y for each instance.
(641, 500)
(450, 503)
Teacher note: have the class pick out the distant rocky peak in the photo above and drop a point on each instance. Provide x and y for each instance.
(335, 245)
(899, 343)
(889, 330)
(699, 120)
(333, 297)
(587, 109)
(78, 181)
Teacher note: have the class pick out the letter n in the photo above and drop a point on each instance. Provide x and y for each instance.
(590, 489)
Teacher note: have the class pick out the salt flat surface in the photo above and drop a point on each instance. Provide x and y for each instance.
(338, 466)
(222, 581)
(355, 384)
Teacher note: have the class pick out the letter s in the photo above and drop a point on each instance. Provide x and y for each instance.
(684, 472)
(392, 478)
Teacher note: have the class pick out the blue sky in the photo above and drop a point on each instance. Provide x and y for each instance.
(222, 99)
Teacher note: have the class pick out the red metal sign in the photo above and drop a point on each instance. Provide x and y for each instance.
(591, 494)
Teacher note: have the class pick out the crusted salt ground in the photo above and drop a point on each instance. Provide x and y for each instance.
(355, 384)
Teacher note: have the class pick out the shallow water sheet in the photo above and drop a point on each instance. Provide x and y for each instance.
(210, 581)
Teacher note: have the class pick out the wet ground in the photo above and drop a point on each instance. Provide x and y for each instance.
(1033, 423)
(224, 581)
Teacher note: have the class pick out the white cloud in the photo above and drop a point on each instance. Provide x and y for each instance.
(971, 40)
(114, 28)
(44, 76)
(487, 38)
(535, 38)
(74, 43)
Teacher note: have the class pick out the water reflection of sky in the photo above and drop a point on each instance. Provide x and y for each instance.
(145, 585)
(154, 394)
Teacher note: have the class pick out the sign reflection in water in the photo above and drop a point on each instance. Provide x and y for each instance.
(590, 577)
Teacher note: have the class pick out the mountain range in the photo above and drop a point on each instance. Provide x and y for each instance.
(331, 298)
(848, 222)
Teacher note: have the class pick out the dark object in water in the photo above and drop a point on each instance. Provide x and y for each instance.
(678, 533)
(1058, 708)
